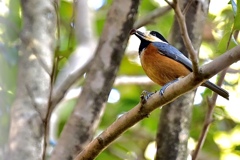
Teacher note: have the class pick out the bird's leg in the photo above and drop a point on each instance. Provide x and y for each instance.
(162, 90)
(149, 94)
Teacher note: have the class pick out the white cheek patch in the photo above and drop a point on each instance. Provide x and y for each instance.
(147, 33)
(153, 38)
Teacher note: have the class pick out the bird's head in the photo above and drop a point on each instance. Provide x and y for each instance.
(149, 36)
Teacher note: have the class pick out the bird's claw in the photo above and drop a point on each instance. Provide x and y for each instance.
(161, 92)
(147, 95)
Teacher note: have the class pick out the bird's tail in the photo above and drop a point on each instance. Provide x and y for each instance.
(216, 89)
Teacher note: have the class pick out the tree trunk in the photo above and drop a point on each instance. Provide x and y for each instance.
(32, 96)
(80, 128)
(173, 131)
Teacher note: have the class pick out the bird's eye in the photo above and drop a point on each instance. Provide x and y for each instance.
(154, 34)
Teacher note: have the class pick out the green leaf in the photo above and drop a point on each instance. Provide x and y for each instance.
(223, 45)
(66, 10)
(237, 148)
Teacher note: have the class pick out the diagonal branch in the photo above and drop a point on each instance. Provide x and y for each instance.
(59, 91)
(149, 18)
(208, 118)
(81, 58)
(141, 110)
(186, 8)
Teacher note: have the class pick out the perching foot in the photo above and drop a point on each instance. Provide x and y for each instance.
(162, 90)
(148, 95)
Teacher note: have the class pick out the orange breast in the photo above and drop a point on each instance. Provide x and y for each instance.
(159, 68)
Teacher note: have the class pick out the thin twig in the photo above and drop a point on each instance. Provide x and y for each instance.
(208, 119)
(229, 39)
(46, 120)
(80, 60)
(185, 36)
(187, 7)
(59, 92)
(170, 3)
(211, 105)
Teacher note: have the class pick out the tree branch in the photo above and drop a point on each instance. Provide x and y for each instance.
(128, 80)
(144, 108)
(186, 8)
(150, 17)
(80, 60)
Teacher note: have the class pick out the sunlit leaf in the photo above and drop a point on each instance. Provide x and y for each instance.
(66, 10)
(226, 43)
(237, 148)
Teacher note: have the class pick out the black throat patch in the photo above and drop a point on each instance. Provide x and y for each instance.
(143, 45)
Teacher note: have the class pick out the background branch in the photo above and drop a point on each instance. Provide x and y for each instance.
(80, 59)
(208, 118)
(150, 17)
(136, 80)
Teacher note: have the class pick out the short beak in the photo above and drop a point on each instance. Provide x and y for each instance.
(139, 34)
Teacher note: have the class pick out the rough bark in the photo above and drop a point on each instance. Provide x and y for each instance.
(34, 80)
(80, 127)
(173, 131)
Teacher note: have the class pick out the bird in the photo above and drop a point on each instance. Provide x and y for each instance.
(164, 64)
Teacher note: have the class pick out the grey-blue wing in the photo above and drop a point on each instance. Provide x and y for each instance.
(173, 53)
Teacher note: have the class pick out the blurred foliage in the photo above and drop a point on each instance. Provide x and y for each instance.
(221, 28)
(10, 23)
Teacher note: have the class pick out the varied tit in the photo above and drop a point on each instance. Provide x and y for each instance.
(164, 64)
